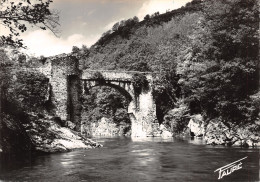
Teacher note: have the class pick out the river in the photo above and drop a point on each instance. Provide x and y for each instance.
(133, 160)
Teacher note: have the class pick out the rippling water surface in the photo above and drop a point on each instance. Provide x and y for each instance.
(130, 160)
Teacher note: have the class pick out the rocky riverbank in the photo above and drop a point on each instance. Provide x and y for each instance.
(215, 131)
(106, 128)
(40, 133)
(218, 133)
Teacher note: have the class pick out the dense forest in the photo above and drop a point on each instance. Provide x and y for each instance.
(205, 55)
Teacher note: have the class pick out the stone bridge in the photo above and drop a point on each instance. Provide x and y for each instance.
(69, 83)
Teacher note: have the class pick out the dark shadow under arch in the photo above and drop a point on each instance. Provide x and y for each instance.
(122, 119)
(117, 87)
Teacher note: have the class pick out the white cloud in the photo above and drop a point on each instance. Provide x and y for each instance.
(45, 43)
(152, 6)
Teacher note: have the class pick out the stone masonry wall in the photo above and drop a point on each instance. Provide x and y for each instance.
(74, 104)
(62, 67)
(144, 123)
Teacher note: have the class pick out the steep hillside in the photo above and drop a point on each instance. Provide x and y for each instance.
(207, 53)
(146, 45)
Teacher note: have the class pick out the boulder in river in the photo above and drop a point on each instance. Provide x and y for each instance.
(196, 125)
(165, 132)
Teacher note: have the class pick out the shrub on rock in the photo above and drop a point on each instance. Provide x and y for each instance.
(177, 119)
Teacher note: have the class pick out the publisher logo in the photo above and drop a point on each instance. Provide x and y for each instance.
(229, 168)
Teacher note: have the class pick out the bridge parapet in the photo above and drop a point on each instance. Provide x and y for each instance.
(112, 75)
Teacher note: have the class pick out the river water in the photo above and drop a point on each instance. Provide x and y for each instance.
(133, 160)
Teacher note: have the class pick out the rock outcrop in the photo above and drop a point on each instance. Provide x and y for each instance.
(165, 132)
(196, 126)
(177, 119)
(13, 138)
(48, 136)
(106, 127)
(40, 133)
(218, 133)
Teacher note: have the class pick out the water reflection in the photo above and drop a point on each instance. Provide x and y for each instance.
(152, 139)
(196, 141)
(146, 161)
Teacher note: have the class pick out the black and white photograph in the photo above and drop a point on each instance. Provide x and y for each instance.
(129, 91)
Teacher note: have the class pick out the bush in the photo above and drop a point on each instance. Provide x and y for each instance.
(99, 77)
(177, 119)
(166, 92)
(140, 83)
(121, 115)
(28, 92)
(105, 102)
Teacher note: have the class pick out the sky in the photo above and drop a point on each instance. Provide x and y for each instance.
(82, 22)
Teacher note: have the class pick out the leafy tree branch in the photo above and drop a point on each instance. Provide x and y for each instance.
(17, 16)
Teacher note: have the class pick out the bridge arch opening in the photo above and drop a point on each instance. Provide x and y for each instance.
(105, 110)
(121, 90)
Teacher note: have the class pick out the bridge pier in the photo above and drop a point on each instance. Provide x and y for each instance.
(143, 116)
(61, 70)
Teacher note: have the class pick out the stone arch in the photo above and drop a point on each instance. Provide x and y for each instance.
(120, 89)
(87, 127)
(123, 87)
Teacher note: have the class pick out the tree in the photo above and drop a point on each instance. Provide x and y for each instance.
(105, 102)
(155, 14)
(224, 61)
(166, 92)
(121, 115)
(106, 33)
(140, 83)
(135, 19)
(85, 50)
(147, 17)
(75, 49)
(17, 15)
(115, 27)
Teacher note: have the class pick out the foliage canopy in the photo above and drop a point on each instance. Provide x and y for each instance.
(16, 16)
